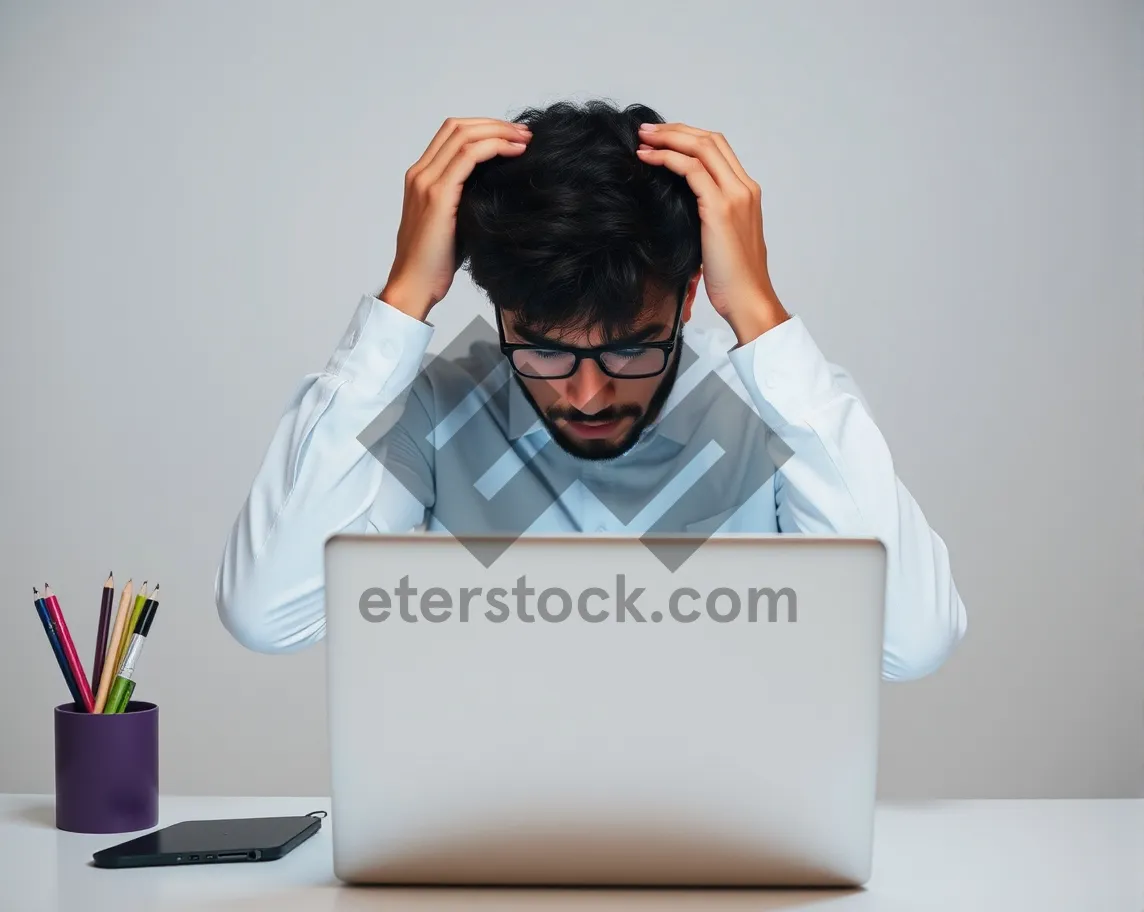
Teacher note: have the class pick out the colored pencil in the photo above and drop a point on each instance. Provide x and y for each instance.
(136, 613)
(124, 684)
(108, 671)
(128, 629)
(57, 616)
(105, 604)
(54, 640)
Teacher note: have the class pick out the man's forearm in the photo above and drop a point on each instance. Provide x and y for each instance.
(409, 301)
(762, 314)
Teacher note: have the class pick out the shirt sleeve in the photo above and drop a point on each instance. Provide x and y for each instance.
(316, 479)
(840, 480)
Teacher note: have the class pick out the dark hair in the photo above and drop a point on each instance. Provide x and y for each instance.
(573, 231)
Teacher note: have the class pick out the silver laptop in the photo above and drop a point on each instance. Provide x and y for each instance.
(604, 710)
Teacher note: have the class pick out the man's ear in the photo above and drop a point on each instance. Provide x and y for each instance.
(692, 287)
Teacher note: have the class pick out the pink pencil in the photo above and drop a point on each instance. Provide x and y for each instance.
(57, 616)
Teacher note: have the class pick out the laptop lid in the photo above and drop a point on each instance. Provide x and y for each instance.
(590, 710)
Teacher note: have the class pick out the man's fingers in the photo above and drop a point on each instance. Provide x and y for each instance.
(443, 133)
(698, 178)
(446, 133)
(463, 135)
(720, 141)
(732, 159)
(458, 170)
(698, 144)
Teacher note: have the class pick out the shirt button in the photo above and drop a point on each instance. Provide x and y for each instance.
(389, 348)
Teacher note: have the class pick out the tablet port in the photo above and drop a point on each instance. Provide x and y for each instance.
(194, 858)
(230, 856)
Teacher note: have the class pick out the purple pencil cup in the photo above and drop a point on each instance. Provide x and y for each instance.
(107, 769)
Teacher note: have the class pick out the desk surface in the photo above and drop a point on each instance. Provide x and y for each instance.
(957, 855)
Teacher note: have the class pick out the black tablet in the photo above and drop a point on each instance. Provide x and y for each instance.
(213, 842)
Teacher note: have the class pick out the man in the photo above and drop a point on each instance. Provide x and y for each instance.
(589, 234)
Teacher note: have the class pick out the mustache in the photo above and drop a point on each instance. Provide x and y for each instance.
(612, 413)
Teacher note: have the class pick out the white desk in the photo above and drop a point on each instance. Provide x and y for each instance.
(969, 856)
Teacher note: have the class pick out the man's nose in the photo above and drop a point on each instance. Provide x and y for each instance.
(589, 388)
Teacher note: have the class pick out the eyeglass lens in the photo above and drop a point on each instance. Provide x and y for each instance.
(634, 362)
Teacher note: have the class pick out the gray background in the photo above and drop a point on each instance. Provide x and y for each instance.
(196, 195)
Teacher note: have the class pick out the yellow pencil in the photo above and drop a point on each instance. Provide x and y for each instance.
(107, 675)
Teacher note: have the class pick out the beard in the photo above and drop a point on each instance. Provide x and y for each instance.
(607, 449)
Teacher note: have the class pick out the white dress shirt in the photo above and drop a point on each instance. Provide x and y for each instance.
(820, 467)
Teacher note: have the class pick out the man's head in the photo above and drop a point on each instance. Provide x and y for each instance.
(577, 242)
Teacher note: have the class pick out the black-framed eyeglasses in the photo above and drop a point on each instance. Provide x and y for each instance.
(625, 361)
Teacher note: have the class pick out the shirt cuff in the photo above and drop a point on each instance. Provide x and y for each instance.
(784, 372)
(381, 346)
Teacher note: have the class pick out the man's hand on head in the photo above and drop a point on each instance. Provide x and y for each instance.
(734, 254)
(424, 266)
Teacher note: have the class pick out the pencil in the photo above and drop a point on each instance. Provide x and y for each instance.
(140, 605)
(104, 623)
(61, 659)
(128, 628)
(124, 684)
(57, 616)
(108, 670)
